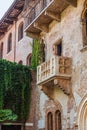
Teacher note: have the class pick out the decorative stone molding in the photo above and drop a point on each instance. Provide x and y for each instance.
(52, 107)
(83, 19)
(84, 9)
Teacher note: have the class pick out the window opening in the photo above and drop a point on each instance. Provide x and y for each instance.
(50, 121)
(9, 43)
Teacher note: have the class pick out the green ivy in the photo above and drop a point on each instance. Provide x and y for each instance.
(7, 115)
(35, 53)
(14, 90)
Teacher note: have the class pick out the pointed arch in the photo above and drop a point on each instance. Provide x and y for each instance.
(29, 59)
(50, 121)
(57, 120)
(82, 114)
(53, 115)
(84, 23)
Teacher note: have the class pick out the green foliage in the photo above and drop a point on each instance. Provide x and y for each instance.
(15, 89)
(35, 53)
(7, 115)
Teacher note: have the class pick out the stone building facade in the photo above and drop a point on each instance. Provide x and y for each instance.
(60, 93)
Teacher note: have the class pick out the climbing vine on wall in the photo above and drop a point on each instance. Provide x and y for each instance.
(35, 53)
(14, 90)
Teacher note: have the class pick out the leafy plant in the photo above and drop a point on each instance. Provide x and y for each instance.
(15, 89)
(7, 115)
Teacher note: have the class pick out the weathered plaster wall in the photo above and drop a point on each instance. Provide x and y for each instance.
(24, 46)
(10, 55)
(20, 49)
(69, 30)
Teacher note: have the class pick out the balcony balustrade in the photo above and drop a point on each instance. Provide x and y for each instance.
(55, 72)
(55, 67)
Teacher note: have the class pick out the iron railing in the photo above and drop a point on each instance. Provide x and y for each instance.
(36, 11)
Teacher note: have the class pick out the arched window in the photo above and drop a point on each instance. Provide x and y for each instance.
(84, 24)
(9, 48)
(28, 62)
(20, 62)
(20, 31)
(86, 21)
(1, 50)
(53, 116)
(49, 121)
(82, 114)
(57, 120)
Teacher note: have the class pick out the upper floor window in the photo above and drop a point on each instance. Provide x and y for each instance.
(29, 60)
(57, 49)
(1, 50)
(20, 31)
(9, 47)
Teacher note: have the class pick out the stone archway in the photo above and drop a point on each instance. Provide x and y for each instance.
(82, 115)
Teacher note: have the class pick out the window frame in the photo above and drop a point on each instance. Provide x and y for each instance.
(9, 46)
(53, 107)
(58, 120)
(84, 24)
(20, 31)
(50, 121)
(29, 60)
(56, 46)
(1, 50)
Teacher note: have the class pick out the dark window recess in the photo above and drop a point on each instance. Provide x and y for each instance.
(59, 49)
(50, 121)
(9, 43)
(58, 120)
(20, 32)
(29, 59)
(86, 22)
(1, 50)
(11, 127)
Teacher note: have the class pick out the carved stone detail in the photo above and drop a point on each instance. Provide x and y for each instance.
(63, 84)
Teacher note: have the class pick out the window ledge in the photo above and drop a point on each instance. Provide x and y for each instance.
(84, 49)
